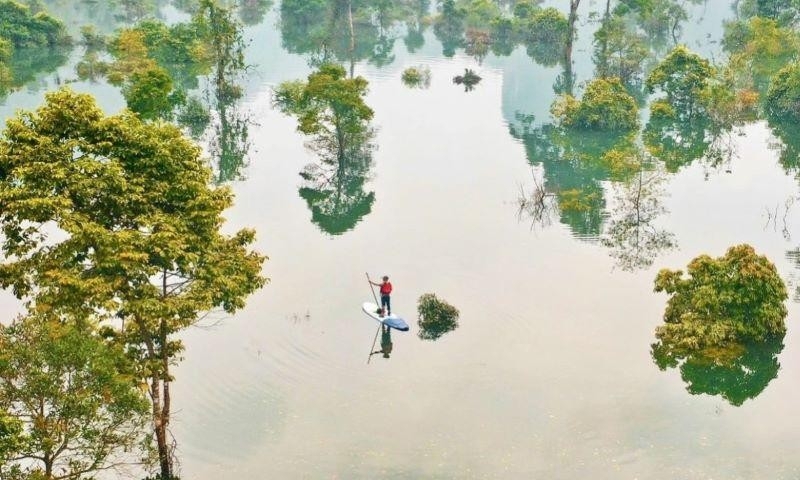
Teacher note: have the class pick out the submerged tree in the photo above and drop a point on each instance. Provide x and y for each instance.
(724, 302)
(606, 106)
(140, 238)
(758, 48)
(724, 323)
(436, 317)
(682, 77)
(620, 52)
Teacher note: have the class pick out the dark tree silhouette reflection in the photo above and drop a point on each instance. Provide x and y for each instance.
(737, 375)
(334, 188)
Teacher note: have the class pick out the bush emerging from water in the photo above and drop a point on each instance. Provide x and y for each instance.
(436, 317)
(606, 106)
(418, 77)
(724, 303)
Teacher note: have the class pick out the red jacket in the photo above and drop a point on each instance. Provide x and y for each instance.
(386, 288)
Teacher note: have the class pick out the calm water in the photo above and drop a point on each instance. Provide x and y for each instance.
(549, 374)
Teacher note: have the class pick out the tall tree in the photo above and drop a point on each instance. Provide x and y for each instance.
(137, 233)
(330, 108)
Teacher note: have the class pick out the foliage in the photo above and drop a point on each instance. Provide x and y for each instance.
(419, 77)
(436, 317)
(620, 52)
(725, 301)
(328, 106)
(92, 39)
(782, 102)
(6, 49)
(758, 49)
(681, 77)
(544, 33)
(479, 13)
(605, 106)
(149, 93)
(76, 398)
(25, 29)
(135, 232)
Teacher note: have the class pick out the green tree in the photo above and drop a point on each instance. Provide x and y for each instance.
(682, 77)
(544, 33)
(724, 302)
(782, 102)
(330, 107)
(24, 29)
(11, 439)
(620, 52)
(141, 235)
(76, 398)
(150, 94)
(759, 48)
(605, 106)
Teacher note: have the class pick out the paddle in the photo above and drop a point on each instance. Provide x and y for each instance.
(379, 325)
(372, 289)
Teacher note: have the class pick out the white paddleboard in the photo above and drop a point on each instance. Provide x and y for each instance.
(392, 321)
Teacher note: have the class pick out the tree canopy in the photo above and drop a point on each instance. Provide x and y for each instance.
(133, 232)
(75, 396)
(723, 301)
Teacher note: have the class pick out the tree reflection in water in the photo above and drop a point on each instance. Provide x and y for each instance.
(26, 66)
(334, 187)
(737, 374)
(632, 236)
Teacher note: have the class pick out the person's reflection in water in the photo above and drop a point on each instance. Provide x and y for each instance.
(386, 342)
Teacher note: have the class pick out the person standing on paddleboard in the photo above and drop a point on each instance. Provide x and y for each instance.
(386, 295)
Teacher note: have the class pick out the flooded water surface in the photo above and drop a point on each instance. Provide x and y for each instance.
(549, 373)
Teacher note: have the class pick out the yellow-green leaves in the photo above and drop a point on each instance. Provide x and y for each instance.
(736, 298)
(69, 403)
(115, 218)
(606, 106)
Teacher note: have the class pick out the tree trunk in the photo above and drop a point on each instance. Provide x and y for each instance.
(352, 37)
(602, 61)
(573, 18)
